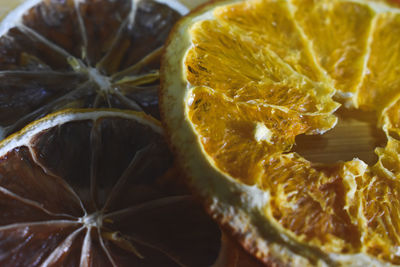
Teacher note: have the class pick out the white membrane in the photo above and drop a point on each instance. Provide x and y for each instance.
(33, 129)
(15, 16)
(176, 5)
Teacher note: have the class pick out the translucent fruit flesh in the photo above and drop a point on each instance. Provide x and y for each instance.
(258, 74)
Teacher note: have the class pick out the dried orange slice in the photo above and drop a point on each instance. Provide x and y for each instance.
(74, 53)
(251, 91)
(77, 189)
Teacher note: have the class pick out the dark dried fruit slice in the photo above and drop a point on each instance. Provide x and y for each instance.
(89, 53)
(77, 189)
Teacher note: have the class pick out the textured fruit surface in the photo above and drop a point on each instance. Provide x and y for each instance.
(243, 81)
(81, 54)
(80, 188)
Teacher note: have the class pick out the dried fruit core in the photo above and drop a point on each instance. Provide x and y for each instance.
(103, 82)
(93, 220)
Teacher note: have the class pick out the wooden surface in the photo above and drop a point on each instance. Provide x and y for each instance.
(7, 5)
(356, 135)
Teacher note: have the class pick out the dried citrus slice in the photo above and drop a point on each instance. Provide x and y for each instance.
(91, 53)
(250, 98)
(77, 189)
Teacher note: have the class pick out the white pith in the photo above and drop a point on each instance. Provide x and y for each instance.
(262, 133)
(102, 81)
(92, 220)
(176, 5)
(14, 17)
(24, 137)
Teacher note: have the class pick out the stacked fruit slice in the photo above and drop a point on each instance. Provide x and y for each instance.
(73, 54)
(78, 188)
(244, 86)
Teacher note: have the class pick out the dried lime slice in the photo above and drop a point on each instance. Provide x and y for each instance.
(89, 53)
(77, 188)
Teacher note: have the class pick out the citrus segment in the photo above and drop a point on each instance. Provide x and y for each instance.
(38, 241)
(20, 173)
(79, 187)
(56, 22)
(33, 90)
(321, 220)
(22, 50)
(247, 132)
(380, 83)
(347, 26)
(259, 74)
(269, 24)
(235, 98)
(150, 32)
(245, 54)
(100, 33)
(379, 198)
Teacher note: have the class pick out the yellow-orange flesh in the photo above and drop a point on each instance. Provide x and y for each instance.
(265, 75)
